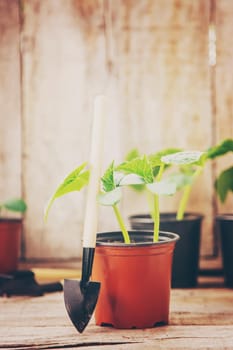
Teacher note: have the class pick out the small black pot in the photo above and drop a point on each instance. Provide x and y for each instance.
(225, 228)
(186, 254)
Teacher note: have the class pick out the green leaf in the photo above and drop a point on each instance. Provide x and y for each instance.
(224, 183)
(163, 187)
(17, 205)
(221, 149)
(75, 181)
(139, 166)
(131, 179)
(110, 198)
(187, 169)
(134, 153)
(108, 180)
(186, 157)
(155, 159)
(138, 188)
(181, 179)
(118, 176)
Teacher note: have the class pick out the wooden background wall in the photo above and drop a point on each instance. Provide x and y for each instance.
(151, 58)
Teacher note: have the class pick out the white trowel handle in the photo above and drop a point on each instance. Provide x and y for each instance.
(97, 143)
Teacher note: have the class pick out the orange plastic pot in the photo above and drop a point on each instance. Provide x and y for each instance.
(10, 233)
(135, 279)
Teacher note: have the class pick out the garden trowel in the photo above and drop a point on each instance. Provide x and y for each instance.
(81, 296)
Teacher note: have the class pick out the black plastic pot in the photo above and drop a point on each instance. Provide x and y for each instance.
(186, 255)
(225, 228)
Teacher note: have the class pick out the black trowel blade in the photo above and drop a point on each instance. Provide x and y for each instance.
(80, 301)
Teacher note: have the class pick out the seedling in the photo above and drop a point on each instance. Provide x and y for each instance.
(154, 160)
(150, 171)
(14, 205)
(155, 163)
(140, 171)
(224, 182)
(191, 166)
(146, 171)
(75, 181)
(111, 196)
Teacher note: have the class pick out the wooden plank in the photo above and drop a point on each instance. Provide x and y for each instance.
(62, 44)
(165, 83)
(63, 59)
(73, 49)
(224, 86)
(70, 51)
(199, 318)
(161, 56)
(194, 337)
(10, 131)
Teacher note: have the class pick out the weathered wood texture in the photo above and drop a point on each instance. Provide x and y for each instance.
(224, 86)
(10, 131)
(165, 88)
(199, 319)
(151, 59)
(63, 68)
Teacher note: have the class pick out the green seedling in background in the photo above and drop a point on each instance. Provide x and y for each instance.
(189, 168)
(14, 205)
(190, 165)
(154, 160)
(155, 163)
(147, 171)
(189, 171)
(75, 181)
(224, 182)
(151, 169)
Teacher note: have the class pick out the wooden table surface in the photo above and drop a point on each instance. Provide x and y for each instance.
(200, 318)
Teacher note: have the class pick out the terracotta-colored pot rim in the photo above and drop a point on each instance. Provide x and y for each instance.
(141, 238)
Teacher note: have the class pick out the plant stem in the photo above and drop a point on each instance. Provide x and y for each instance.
(156, 215)
(150, 201)
(121, 224)
(183, 202)
(160, 173)
(185, 196)
(156, 218)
